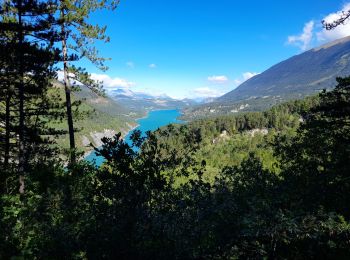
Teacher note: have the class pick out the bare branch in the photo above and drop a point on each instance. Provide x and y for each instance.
(344, 16)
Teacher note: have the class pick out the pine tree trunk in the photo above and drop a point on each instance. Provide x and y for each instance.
(67, 88)
(7, 130)
(21, 132)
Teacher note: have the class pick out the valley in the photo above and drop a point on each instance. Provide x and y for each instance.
(151, 122)
(174, 129)
(292, 79)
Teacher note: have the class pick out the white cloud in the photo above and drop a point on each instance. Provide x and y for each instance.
(60, 75)
(207, 92)
(130, 64)
(245, 76)
(312, 34)
(303, 40)
(238, 82)
(340, 31)
(152, 66)
(218, 79)
(110, 83)
(249, 75)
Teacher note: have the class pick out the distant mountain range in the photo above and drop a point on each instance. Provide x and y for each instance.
(304, 74)
(297, 77)
(140, 102)
(117, 112)
(127, 93)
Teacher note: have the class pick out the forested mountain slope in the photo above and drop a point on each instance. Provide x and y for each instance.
(228, 140)
(302, 75)
(102, 117)
(298, 76)
(257, 185)
(272, 184)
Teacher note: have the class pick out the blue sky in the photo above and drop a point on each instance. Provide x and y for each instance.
(202, 48)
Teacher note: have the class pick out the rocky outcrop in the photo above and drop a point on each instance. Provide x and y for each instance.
(97, 136)
(222, 137)
(262, 131)
(85, 141)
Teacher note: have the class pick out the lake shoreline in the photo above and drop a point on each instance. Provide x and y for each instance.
(87, 153)
(152, 121)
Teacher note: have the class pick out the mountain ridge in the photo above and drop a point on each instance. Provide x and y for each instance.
(305, 73)
(140, 102)
(299, 76)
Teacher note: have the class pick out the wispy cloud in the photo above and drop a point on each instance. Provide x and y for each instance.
(314, 34)
(130, 64)
(249, 75)
(152, 66)
(245, 76)
(218, 79)
(60, 77)
(206, 92)
(112, 83)
(303, 40)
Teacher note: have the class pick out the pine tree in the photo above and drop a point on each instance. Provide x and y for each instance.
(27, 60)
(77, 36)
(315, 162)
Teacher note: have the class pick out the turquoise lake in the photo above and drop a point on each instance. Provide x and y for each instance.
(153, 121)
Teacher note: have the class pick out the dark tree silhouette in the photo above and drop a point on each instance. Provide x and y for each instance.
(77, 39)
(27, 65)
(344, 16)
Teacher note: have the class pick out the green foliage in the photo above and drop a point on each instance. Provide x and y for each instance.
(228, 140)
(273, 184)
(319, 153)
